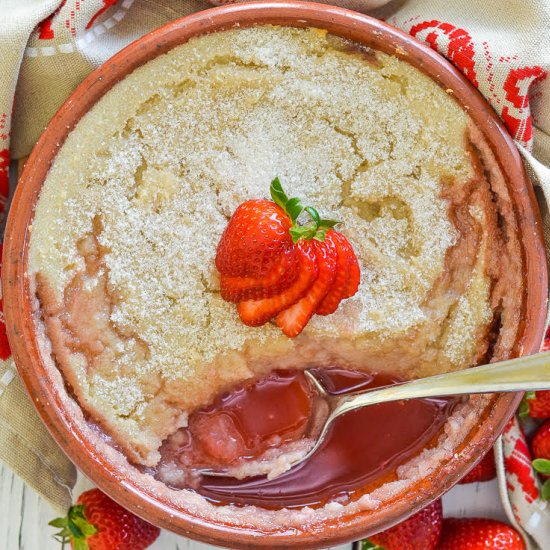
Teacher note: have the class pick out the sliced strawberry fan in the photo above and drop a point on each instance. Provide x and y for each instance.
(346, 280)
(277, 269)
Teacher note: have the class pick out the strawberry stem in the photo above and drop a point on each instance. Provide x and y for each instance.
(314, 214)
(316, 229)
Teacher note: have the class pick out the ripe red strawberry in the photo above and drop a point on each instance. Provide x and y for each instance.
(539, 405)
(256, 234)
(293, 319)
(255, 313)
(479, 534)
(484, 470)
(540, 445)
(340, 286)
(98, 523)
(419, 532)
(280, 277)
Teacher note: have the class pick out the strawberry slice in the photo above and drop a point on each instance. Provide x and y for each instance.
(346, 281)
(279, 278)
(354, 272)
(334, 296)
(293, 320)
(255, 313)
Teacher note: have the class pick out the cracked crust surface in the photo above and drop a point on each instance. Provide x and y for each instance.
(128, 221)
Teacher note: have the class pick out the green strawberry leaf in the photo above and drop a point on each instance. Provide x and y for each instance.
(315, 229)
(75, 528)
(542, 466)
(314, 215)
(320, 235)
(545, 491)
(277, 194)
(76, 533)
(302, 232)
(292, 207)
(368, 545)
(78, 519)
(80, 544)
(86, 528)
(523, 409)
(328, 224)
(58, 522)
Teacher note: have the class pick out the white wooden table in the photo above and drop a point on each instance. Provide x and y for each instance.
(24, 515)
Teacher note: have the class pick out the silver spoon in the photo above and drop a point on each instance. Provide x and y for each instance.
(521, 374)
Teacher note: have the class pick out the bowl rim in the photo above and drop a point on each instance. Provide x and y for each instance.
(17, 298)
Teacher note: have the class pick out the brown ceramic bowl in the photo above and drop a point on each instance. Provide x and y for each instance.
(17, 299)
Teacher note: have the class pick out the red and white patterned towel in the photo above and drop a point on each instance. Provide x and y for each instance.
(503, 48)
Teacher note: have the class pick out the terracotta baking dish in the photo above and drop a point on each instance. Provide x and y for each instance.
(17, 298)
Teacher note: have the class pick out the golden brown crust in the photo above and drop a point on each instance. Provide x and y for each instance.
(505, 257)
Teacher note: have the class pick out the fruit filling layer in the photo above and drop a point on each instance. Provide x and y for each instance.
(244, 423)
(363, 449)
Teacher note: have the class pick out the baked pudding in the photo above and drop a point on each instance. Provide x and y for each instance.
(124, 240)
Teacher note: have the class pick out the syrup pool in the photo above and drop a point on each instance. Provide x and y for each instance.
(363, 449)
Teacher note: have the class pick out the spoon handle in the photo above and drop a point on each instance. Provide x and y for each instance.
(527, 373)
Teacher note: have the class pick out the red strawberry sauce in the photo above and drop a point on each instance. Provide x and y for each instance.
(364, 447)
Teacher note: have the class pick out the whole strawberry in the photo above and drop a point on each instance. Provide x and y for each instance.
(421, 531)
(98, 523)
(540, 447)
(484, 470)
(539, 404)
(479, 534)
